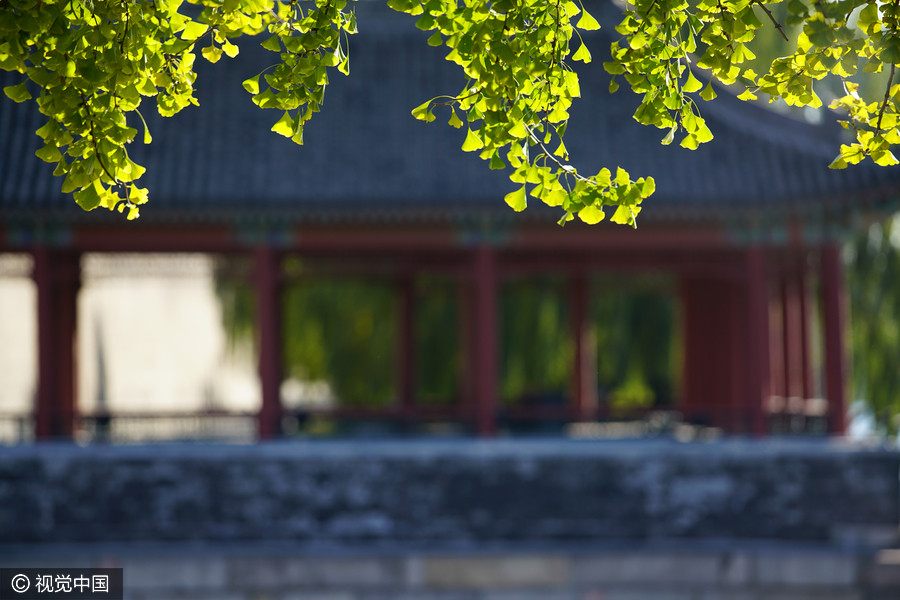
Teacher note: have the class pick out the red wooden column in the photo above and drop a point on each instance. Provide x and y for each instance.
(267, 282)
(758, 334)
(584, 374)
(739, 356)
(833, 325)
(485, 365)
(466, 347)
(707, 310)
(777, 336)
(406, 367)
(806, 385)
(57, 274)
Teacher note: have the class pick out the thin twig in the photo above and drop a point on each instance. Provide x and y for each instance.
(887, 96)
(567, 168)
(87, 108)
(772, 18)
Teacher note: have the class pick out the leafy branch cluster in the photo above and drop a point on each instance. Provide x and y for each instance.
(91, 62)
(662, 39)
(516, 102)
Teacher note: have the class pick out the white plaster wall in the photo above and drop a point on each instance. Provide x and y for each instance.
(156, 322)
(18, 333)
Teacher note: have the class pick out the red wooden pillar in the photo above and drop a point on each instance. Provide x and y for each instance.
(806, 375)
(466, 347)
(833, 325)
(485, 339)
(57, 275)
(267, 281)
(737, 390)
(585, 372)
(791, 336)
(777, 336)
(707, 310)
(406, 367)
(758, 333)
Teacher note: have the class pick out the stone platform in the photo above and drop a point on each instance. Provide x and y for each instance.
(463, 520)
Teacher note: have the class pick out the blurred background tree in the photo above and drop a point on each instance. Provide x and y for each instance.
(874, 286)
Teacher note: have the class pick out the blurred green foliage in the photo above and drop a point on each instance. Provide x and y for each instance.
(874, 286)
(343, 330)
(535, 340)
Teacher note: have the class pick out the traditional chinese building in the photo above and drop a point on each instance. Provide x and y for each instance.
(749, 226)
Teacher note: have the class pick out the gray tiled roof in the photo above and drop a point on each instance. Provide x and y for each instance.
(366, 156)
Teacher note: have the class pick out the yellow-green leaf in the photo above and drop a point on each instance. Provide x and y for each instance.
(48, 153)
(591, 214)
(582, 54)
(517, 200)
(193, 30)
(708, 92)
(87, 198)
(230, 49)
(285, 125)
(689, 142)
(670, 136)
(587, 22)
(692, 84)
(17, 93)
(623, 216)
(423, 112)
(212, 54)
(252, 84)
(473, 142)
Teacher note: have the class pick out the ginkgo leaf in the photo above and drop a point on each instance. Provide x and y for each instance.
(285, 125)
(423, 112)
(587, 22)
(212, 54)
(582, 54)
(591, 214)
(517, 200)
(252, 84)
(692, 84)
(473, 142)
(17, 93)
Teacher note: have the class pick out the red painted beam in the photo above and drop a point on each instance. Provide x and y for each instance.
(644, 238)
(136, 238)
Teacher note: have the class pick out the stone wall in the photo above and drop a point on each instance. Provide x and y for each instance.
(462, 520)
(446, 493)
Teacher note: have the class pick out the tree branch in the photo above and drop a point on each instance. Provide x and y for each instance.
(772, 18)
(887, 97)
